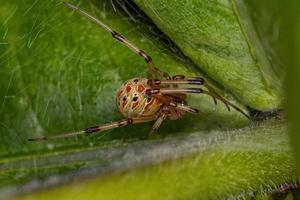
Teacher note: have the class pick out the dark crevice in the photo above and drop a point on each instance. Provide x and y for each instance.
(257, 115)
(143, 22)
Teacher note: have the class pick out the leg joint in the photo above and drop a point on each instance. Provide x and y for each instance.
(117, 36)
(152, 82)
(92, 129)
(123, 122)
(130, 121)
(152, 91)
(147, 58)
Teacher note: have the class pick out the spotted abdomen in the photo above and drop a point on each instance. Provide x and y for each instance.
(132, 100)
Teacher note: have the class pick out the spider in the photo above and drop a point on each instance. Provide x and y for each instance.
(142, 100)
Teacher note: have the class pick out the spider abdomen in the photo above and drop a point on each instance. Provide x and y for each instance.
(132, 100)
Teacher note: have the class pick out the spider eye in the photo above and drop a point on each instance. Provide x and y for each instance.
(124, 98)
(134, 98)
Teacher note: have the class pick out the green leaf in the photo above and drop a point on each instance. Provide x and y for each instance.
(60, 72)
(219, 38)
(252, 162)
(278, 30)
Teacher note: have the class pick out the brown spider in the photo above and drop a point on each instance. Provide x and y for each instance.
(141, 99)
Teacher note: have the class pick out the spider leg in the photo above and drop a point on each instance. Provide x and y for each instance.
(173, 90)
(209, 92)
(93, 129)
(215, 96)
(169, 101)
(121, 39)
(158, 123)
(226, 103)
(192, 81)
(183, 107)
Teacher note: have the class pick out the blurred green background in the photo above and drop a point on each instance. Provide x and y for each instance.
(60, 73)
(290, 51)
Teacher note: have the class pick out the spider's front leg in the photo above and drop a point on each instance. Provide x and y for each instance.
(104, 127)
(180, 79)
(122, 39)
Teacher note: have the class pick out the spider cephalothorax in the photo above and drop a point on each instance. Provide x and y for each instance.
(141, 99)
